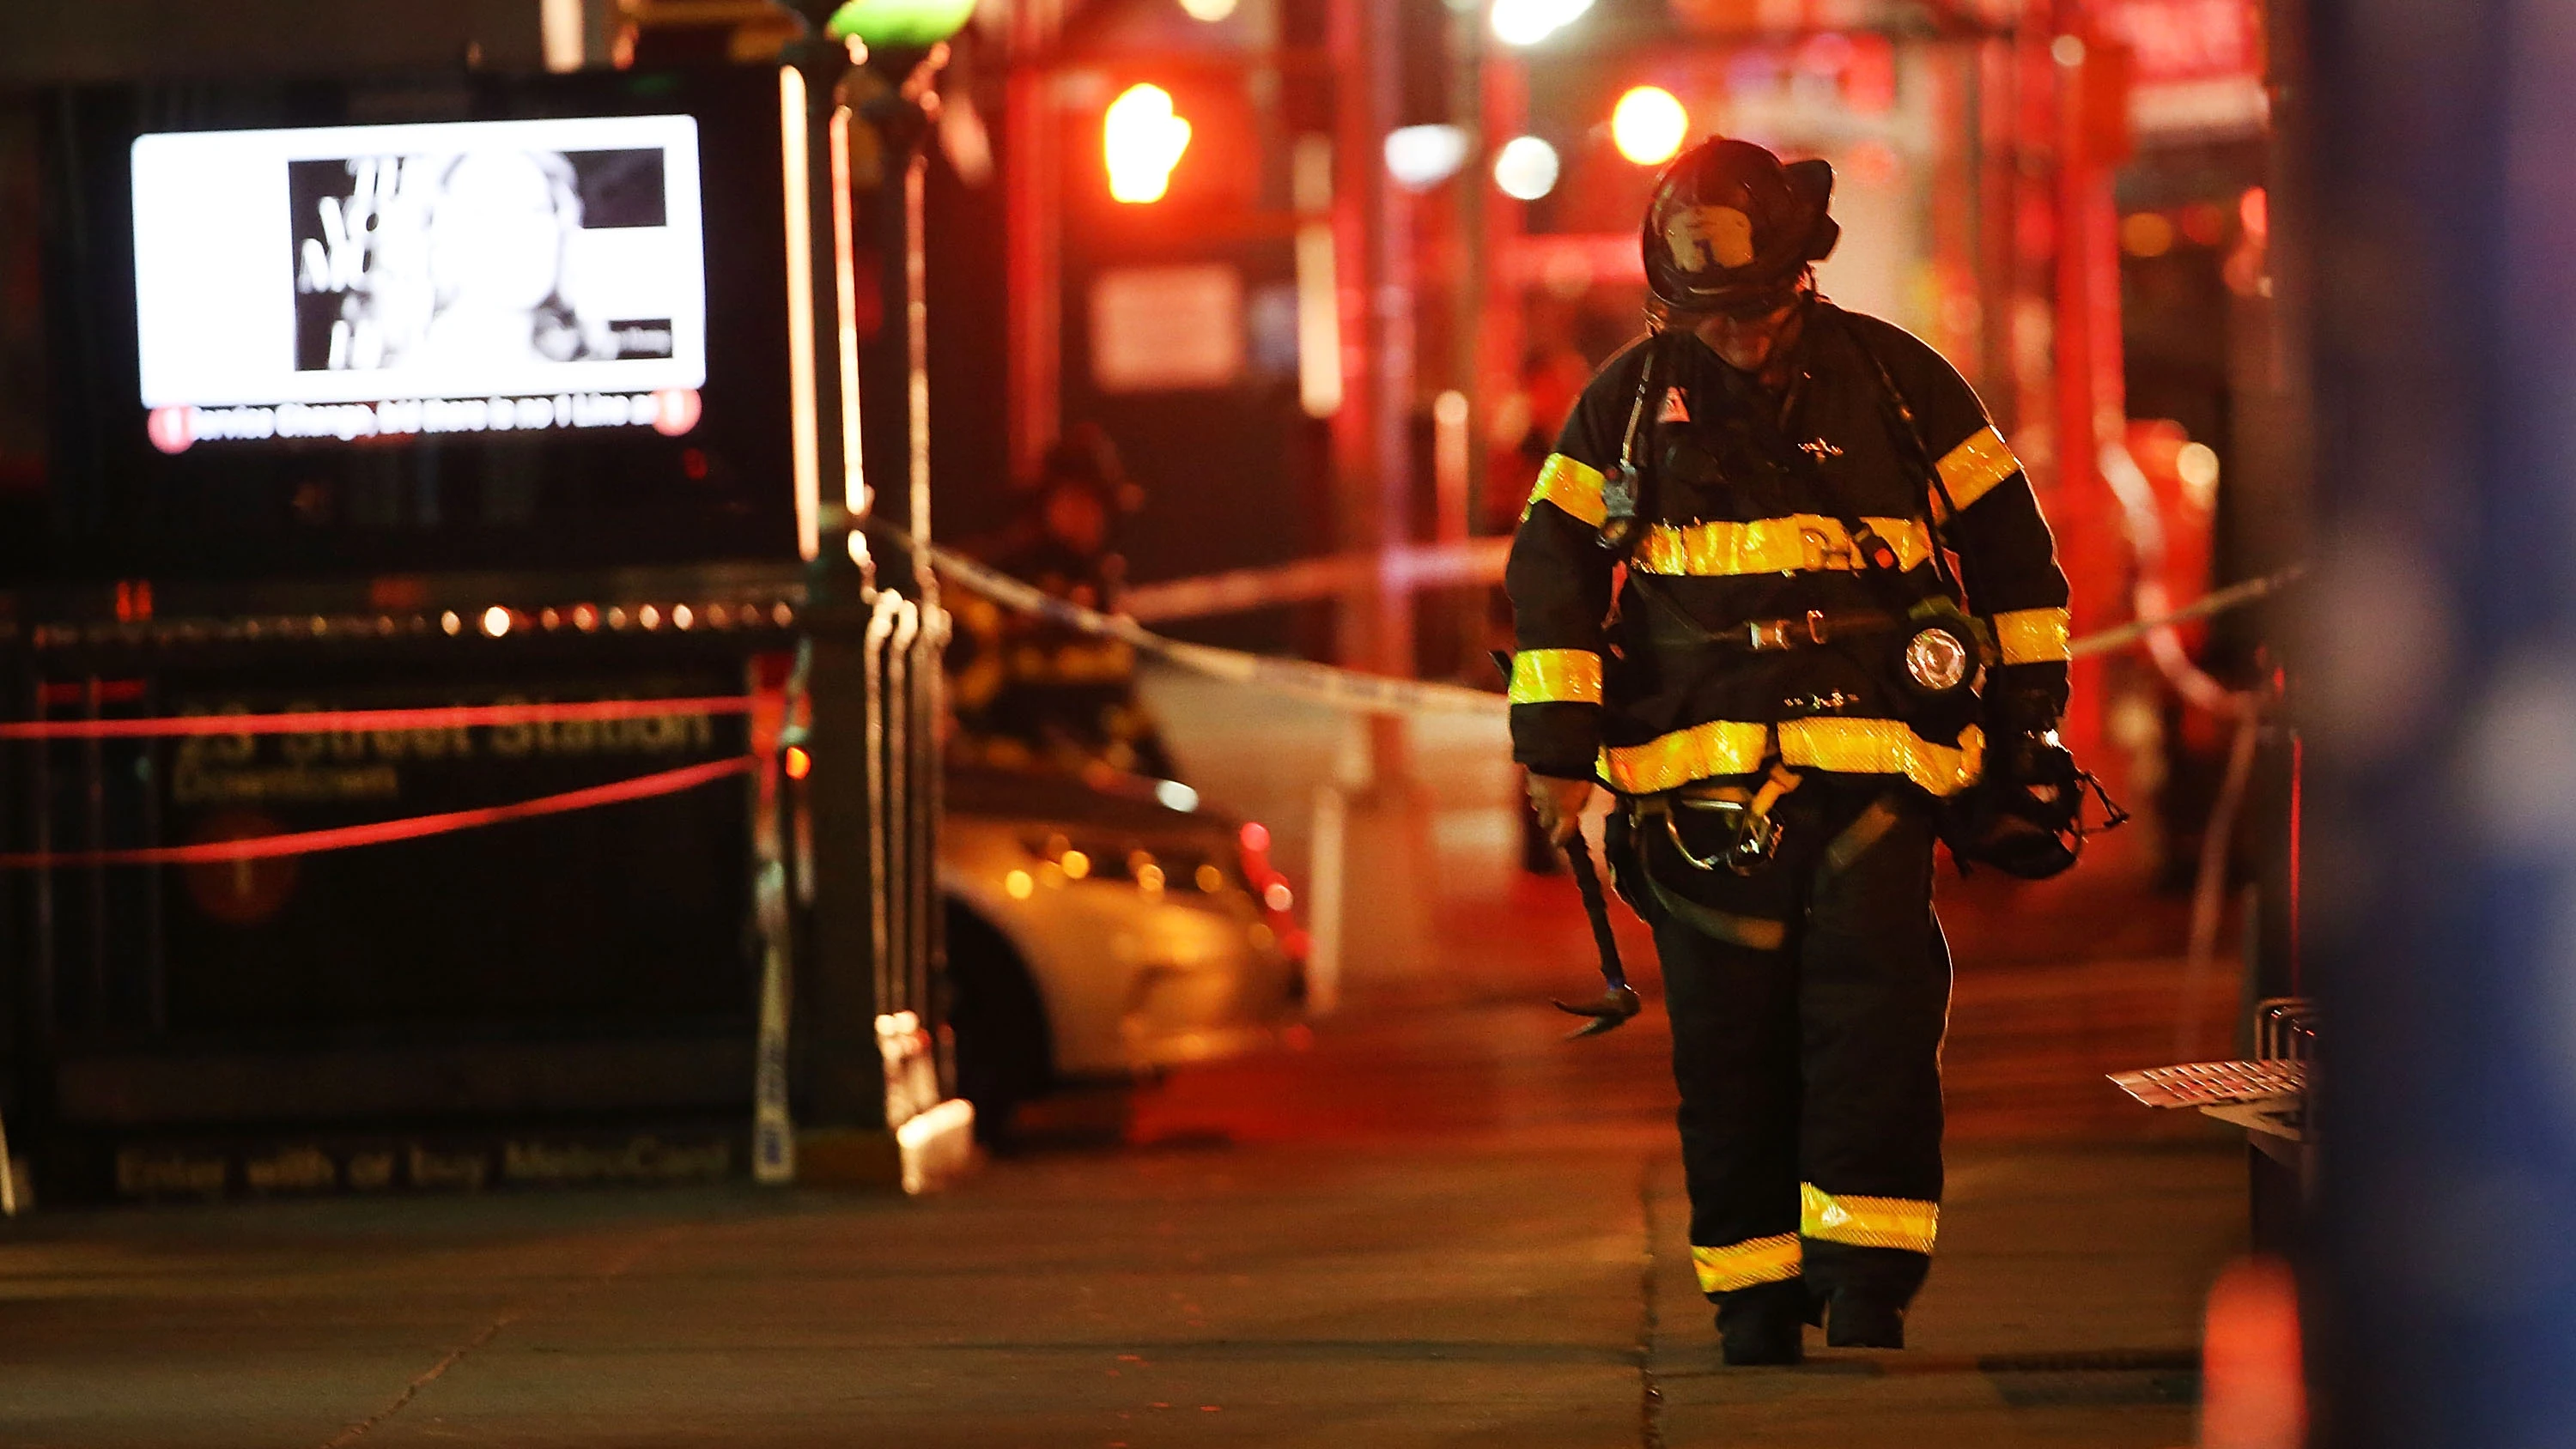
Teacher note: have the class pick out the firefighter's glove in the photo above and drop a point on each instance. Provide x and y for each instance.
(1559, 805)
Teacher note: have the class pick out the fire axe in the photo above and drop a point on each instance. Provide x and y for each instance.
(1611, 1009)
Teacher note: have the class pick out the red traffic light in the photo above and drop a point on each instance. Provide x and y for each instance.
(1142, 140)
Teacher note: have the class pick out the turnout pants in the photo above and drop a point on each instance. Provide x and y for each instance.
(1808, 1002)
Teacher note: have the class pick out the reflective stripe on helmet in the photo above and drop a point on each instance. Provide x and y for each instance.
(1701, 238)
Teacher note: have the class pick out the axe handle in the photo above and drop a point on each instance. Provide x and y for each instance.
(1596, 909)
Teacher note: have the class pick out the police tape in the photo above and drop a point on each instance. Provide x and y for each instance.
(1469, 561)
(349, 837)
(1348, 689)
(1364, 693)
(2217, 601)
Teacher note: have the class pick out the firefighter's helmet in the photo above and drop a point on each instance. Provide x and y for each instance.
(2026, 818)
(1732, 230)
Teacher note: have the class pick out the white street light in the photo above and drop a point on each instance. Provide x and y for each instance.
(1525, 168)
(1424, 156)
(1527, 22)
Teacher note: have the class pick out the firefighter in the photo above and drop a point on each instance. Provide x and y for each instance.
(1735, 605)
(1033, 694)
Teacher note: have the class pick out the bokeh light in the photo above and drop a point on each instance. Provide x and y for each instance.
(1422, 156)
(1525, 168)
(1649, 125)
(1527, 22)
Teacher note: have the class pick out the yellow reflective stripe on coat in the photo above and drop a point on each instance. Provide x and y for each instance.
(2034, 636)
(1556, 676)
(1802, 541)
(1741, 1265)
(1971, 470)
(1883, 747)
(1867, 1222)
(1572, 486)
(1843, 746)
(1720, 747)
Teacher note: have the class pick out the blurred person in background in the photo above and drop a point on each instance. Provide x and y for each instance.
(1733, 607)
(1033, 694)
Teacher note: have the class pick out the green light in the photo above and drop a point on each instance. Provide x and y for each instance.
(899, 23)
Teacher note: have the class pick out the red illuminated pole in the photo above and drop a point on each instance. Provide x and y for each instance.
(1372, 456)
(1033, 202)
(2090, 135)
(1502, 110)
(1388, 849)
(1469, 65)
(1372, 446)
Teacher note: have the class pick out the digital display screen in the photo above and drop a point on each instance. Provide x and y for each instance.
(437, 279)
(314, 328)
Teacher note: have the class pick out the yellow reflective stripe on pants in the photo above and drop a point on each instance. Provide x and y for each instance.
(1973, 469)
(1867, 1222)
(1826, 742)
(1572, 486)
(2034, 636)
(1808, 542)
(1742, 1265)
(1556, 676)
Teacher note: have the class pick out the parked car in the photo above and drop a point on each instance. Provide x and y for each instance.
(1102, 929)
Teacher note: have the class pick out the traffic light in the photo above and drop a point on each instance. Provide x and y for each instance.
(899, 24)
(1142, 140)
(1649, 125)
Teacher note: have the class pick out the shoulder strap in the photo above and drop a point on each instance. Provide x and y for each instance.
(1909, 433)
(1623, 499)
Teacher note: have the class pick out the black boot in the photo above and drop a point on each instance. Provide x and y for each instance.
(1763, 1325)
(1865, 1321)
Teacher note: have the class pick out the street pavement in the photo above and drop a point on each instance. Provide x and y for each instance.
(1437, 1223)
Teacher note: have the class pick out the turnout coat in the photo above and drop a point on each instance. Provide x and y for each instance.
(1624, 669)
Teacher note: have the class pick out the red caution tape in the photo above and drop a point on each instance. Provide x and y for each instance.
(308, 842)
(325, 721)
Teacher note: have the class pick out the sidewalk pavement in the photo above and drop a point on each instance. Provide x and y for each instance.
(1437, 1227)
